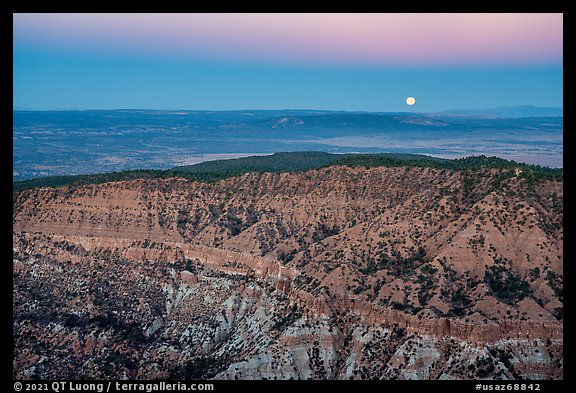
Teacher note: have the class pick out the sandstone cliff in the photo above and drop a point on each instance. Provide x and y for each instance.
(333, 273)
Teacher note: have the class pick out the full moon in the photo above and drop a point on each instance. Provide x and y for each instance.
(410, 101)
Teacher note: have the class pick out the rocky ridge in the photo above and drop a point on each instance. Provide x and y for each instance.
(333, 273)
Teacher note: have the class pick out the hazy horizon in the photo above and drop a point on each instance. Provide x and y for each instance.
(74, 142)
(282, 109)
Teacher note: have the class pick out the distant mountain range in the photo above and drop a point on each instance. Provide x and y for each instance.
(510, 111)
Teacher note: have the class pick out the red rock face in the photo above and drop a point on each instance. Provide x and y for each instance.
(335, 273)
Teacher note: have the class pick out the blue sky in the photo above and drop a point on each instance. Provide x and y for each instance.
(52, 71)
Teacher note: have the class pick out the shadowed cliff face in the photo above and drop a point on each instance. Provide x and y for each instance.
(335, 273)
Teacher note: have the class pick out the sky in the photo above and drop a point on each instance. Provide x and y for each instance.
(354, 62)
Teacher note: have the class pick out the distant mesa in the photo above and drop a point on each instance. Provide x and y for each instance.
(510, 111)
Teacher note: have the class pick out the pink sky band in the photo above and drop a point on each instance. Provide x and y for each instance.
(361, 39)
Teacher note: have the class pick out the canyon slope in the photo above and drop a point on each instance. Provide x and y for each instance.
(332, 273)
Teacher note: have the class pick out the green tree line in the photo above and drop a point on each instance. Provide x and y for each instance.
(212, 171)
